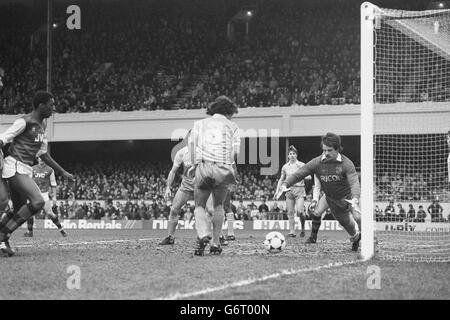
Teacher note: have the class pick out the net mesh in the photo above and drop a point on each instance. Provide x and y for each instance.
(412, 119)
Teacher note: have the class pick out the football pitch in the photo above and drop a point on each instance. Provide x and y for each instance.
(129, 264)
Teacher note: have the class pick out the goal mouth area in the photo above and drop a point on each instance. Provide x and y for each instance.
(405, 90)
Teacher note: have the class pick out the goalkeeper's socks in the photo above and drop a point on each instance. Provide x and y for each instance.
(315, 225)
(30, 223)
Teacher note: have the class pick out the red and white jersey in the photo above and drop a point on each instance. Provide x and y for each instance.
(44, 176)
(216, 139)
(28, 139)
(289, 168)
(183, 158)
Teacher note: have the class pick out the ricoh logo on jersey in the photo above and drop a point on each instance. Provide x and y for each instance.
(330, 178)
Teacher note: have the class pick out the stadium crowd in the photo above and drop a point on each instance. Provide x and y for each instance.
(120, 60)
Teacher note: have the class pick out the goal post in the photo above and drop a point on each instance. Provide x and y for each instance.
(367, 131)
(405, 117)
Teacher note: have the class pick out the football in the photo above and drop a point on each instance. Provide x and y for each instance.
(274, 242)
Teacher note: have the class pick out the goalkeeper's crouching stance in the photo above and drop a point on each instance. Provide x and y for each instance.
(339, 182)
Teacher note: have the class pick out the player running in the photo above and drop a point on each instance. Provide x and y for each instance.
(27, 138)
(44, 176)
(214, 146)
(339, 182)
(295, 197)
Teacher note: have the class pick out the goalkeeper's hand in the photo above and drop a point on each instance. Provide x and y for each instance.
(355, 204)
(312, 207)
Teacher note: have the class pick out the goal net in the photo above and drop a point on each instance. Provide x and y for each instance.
(405, 86)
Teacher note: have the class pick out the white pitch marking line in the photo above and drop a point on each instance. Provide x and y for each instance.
(249, 281)
(83, 243)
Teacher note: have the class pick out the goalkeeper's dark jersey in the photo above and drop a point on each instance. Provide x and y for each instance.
(338, 177)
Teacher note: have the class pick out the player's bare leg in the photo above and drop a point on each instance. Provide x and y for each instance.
(290, 206)
(210, 213)
(26, 187)
(300, 206)
(202, 224)
(49, 212)
(219, 195)
(230, 217)
(180, 199)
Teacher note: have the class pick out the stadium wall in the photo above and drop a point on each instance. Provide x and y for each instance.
(295, 121)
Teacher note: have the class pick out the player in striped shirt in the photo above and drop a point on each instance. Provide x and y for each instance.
(26, 139)
(44, 176)
(295, 197)
(339, 182)
(184, 193)
(214, 147)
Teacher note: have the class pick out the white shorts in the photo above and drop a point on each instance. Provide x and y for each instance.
(11, 166)
(45, 196)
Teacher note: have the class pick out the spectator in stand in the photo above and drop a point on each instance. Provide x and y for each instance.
(401, 213)
(240, 210)
(263, 210)
(275, 212)
(99, 212)
(435, 210)
(421, 215)
(389, 211)
(411, 215)
(110, 211)
(378, 213)
(63, 211)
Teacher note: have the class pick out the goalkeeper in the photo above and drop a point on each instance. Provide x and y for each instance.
(339, 181)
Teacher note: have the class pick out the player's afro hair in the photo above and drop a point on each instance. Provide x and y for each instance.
(292, 148)
(41, 97)
(222, 105)
(332, 140)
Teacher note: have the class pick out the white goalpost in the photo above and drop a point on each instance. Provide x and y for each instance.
(405, 117)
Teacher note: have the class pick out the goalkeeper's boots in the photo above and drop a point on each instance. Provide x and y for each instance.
(201, 245)
(215, 249)
(291, 235)
(223, 241)
(312, 239)
(28, 234)
(63, 233)
(167, 240)
(6, 249)
(356, 239)
(231, 237)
